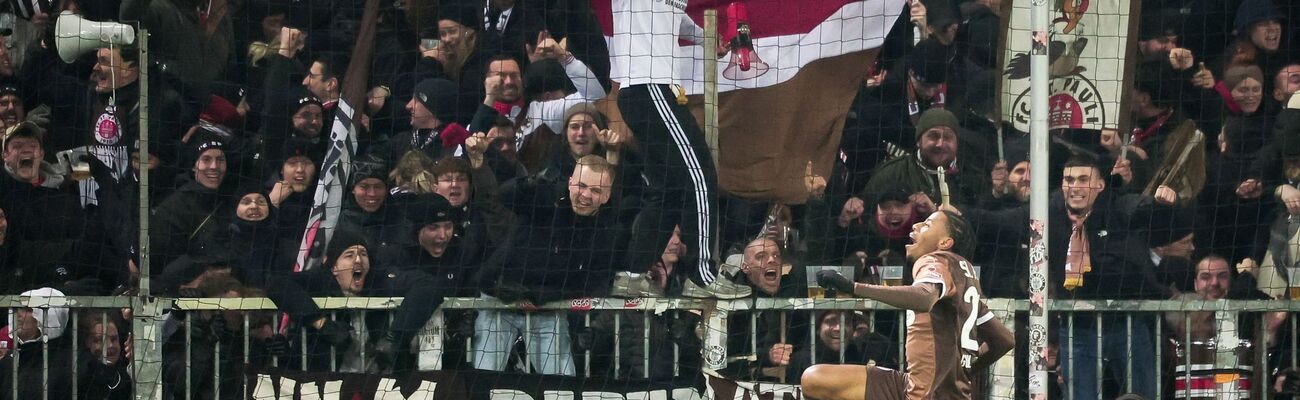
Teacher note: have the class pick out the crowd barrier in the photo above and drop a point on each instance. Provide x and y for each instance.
(1243, 374)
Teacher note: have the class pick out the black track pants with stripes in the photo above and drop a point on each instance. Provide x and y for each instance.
(681, 182)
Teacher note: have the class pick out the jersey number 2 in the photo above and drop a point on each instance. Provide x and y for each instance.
(972, 297)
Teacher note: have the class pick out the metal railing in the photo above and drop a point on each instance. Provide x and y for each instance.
(147, 322)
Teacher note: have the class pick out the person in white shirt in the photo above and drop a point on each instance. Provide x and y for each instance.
(679, 175)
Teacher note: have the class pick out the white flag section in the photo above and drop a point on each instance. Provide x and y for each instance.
(336, 171)
(1086, 48)
(856, 26)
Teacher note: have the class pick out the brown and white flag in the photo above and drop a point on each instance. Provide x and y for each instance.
(773, 121)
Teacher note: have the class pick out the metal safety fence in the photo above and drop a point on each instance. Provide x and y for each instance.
(1162, 349)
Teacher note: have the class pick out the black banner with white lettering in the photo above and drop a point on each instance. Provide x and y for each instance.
(486, 385)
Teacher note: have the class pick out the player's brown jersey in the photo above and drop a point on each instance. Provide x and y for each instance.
(942, 344)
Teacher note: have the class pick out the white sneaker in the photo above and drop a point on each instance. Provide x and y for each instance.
(631, 286)
(720, 289)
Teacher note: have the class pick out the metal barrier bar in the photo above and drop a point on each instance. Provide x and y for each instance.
(586, 352)
(45, 364)
(845, 332)
(302, 333)
(334, 359)
(464, 303)
(1069, 391)
(216, 367)
(645, 336)
(75, 318)
(1101, 351)
(1187, 352)
(528, 330)
(617, 343)
(781, 306)
(189, 388)
(812, 336)
(1128, 370)
(246, 335)
(13, 338)
(1160, 323)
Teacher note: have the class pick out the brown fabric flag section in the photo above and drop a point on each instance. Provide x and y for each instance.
(768, 134)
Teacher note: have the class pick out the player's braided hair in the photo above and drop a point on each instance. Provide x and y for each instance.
(962, 235)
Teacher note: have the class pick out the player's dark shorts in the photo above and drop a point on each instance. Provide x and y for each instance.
(885, 384)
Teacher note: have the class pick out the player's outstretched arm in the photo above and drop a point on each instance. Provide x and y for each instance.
(920, 297)
(998, 340)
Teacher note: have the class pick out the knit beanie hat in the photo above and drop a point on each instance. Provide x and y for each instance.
(369, 167)
(342, 240)
(589, 109)
(438, 96)
(936, 117)
(430, 208)
(464, 12)
(1236, 74)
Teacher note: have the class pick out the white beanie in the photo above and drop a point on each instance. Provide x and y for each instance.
(51, 321)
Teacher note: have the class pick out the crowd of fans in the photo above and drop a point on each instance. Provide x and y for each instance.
(490, 163)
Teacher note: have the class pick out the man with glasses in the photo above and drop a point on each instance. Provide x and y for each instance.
(553, 82)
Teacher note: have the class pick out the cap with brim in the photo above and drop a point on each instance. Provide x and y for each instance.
(10, 89)
(24, 129)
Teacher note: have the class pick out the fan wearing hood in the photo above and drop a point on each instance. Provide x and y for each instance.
(38, 333)
(249, 237)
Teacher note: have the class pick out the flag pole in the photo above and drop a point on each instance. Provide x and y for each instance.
(711, 81)
(1039, 82)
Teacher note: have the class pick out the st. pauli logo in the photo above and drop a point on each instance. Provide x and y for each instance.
(1086, 64)
(1074, 103)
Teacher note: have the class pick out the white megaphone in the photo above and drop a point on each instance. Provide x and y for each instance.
(74, 36)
